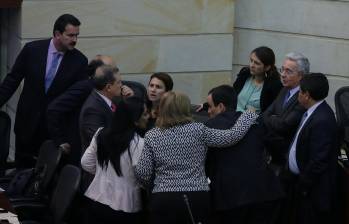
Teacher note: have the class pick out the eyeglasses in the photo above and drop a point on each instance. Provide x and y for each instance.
(287, 71)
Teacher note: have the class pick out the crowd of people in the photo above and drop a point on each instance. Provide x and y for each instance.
(266, 154)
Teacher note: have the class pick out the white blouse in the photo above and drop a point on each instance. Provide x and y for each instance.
(118, 192)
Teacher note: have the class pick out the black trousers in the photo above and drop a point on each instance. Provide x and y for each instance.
(179, 207)
(102, 214)
(259, 213)
(299, 208)
(27, 151)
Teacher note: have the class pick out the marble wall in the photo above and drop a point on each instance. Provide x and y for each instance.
(190, 39)
(317, 28)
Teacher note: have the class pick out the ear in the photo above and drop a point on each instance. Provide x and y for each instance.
(306, 93)
(221, 107)
(56, 33)
(107, 87)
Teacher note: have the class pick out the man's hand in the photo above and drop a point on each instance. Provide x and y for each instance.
(126, 91)
(66, 148)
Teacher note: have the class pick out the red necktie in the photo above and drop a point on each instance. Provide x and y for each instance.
(113, 107)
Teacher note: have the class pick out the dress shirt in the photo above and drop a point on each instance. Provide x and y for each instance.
(292, 160)
(118, 192)
(51, 51)
(292, 92)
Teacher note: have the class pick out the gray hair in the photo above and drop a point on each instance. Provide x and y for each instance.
(301, 61)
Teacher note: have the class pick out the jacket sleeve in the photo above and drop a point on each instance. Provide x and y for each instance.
(71, 100)
(145, 168)
(221, 138)
(283, 125)
(91, 121)
(89, 159)
(14, 78)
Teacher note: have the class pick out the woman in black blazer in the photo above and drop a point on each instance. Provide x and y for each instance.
(258, 84)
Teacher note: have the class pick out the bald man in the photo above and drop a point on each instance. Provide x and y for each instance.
(63, 112)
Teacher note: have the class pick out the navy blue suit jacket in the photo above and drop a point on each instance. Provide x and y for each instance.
(30, 66)
(316, 155)
(239, 173)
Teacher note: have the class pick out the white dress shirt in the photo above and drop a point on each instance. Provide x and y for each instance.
(292, 161)
(118, 192)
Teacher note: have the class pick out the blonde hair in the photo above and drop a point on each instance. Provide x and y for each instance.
(174, 109)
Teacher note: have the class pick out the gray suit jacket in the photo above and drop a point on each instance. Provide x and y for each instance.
(281, 123)
(95, 113)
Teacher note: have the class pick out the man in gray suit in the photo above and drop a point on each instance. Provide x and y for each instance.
(98, 109)
(283, 115)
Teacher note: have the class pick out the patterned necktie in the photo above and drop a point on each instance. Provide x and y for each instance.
(51, 73)
(286, 99)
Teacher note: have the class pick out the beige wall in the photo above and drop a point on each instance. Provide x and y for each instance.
(317, 28)
(190, 39)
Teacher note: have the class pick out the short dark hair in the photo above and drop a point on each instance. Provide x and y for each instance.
(316, 84)
(63, 21)
(226, 95)
(165, 78)
(105, 77)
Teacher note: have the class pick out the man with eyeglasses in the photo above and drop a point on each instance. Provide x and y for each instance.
(283, 115)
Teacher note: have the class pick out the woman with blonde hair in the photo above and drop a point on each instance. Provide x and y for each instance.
(173, 158)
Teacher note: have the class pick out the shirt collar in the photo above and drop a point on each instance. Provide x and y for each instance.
(294, 90)
(312, 108)
(106, 99)
(52, 49)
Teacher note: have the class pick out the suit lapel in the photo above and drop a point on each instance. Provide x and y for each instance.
(63, 73)
(42, 62)
(303, 133)
(292, 100)
(102, 102)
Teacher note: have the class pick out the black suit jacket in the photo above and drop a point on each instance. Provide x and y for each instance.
(30, 66)
(63, 117)
(239, 173)
(63, 113)
(95, 113)
(281, 124)
(270, 90)
(316, 155)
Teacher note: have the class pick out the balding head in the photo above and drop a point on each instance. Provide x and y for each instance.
(107, 60)
(107, 81)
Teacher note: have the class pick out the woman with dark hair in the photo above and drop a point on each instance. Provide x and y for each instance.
(173, 159)
(114, 194)
(159, 83)
(259, 84)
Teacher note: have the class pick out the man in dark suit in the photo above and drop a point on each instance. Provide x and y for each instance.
(283, 115)
(313, 154)
(98, 109)
(243, 189)
(48, 68)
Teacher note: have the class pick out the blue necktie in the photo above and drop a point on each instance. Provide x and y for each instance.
(51, 73)
(286, 99)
